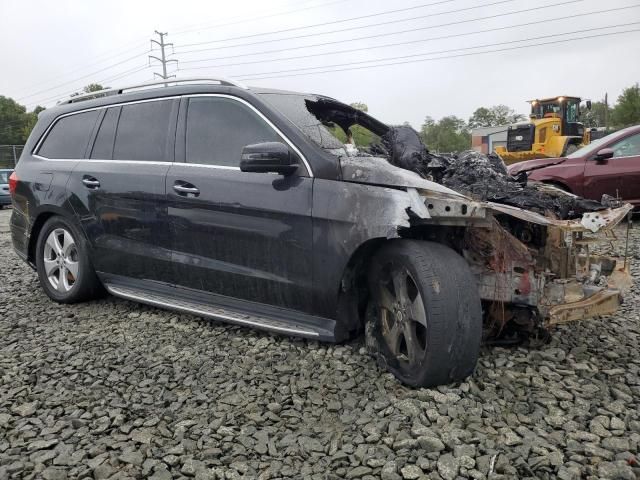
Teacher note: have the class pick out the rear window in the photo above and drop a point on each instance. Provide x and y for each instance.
(4, 177)
(143, 131)
(69, 136)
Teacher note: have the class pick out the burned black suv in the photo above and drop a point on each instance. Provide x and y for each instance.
(301, 215)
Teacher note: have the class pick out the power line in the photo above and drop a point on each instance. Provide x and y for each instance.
(441, 58)
(333, 22)
(79, 78)
(441, 51)
(388, 22)
(126, 73)
(109, 57)
(409, 42)
(200, 27)
(379, 35)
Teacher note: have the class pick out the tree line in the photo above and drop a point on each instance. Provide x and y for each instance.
(16, 123)
(453, 134)
(449, 134)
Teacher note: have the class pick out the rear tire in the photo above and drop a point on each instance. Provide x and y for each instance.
(425, 316)
(65, 272)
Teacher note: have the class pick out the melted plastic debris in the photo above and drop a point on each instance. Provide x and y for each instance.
(482, 177)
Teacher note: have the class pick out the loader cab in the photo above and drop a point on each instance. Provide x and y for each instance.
(564, 108)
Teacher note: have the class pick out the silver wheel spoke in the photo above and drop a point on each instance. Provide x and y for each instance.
(72, 267)
(54, 243)
(68, 243)
(386, 297)
(50, 266)
(60, 260)
(62, 285)
(414, 350)
(416, 311)
(395, 332)
(399, 278)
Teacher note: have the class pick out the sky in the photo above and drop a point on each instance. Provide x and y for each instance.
(431, 51)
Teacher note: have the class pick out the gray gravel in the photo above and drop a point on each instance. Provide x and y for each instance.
(114, 389)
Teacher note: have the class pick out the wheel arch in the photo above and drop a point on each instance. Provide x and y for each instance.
(40, 218)
(353, 290)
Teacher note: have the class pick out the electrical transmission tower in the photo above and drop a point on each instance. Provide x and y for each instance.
(163, 57)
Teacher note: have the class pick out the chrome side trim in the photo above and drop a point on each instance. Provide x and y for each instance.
(202, 165)
(230, 318)
(116, 104)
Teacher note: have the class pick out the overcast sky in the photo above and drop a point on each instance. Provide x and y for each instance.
(49, 49)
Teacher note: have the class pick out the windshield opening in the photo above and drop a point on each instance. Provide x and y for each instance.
(334, 126)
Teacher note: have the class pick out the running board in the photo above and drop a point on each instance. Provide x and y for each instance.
(238, 316)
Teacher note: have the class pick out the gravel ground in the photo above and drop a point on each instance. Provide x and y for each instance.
(114, 389)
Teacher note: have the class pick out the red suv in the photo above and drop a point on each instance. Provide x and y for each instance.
(609, 165)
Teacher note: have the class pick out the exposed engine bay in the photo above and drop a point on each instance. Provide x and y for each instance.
(529, 245)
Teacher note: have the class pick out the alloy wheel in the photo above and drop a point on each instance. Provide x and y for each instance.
(61, 260)
(403, 319)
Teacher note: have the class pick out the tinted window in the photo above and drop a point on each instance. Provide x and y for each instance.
(69, 136)
(218, 129)
(143, 131)
(103, 146)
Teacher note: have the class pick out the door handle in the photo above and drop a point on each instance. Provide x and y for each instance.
(184, 189)
(90, 182)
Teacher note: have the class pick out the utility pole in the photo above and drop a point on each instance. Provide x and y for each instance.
(163, 57)
(606, 112)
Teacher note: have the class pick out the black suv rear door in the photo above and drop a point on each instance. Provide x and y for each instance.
(237, 234)
(118, 193)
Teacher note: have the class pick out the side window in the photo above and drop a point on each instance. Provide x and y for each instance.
(143, 131)
(69, 136)
(103, 146)
(629, 147)
(218, 129)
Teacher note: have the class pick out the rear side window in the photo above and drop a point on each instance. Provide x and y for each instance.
(143, 131)
(218, 129)
(69, 136)
(103, 146)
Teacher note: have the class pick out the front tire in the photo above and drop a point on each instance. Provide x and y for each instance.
(425, 316)
(64, 269)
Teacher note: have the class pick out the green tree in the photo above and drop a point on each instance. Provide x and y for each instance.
(362, 137)
(627, 109)
(597, 116)
(13, 119)
(449, 134)
(494, 116)
(92, 87)
(360, 106)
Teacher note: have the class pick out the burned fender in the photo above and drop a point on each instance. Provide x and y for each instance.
(378, 171)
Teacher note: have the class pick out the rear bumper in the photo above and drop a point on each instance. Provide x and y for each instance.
(5, 200)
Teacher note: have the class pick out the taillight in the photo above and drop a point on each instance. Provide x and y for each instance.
(13, 183)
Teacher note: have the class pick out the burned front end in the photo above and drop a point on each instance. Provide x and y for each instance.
(535, 250)
(537, 271)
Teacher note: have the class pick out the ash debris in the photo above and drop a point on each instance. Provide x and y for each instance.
(482, 177)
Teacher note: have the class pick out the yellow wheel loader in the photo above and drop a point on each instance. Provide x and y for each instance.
(553, 130)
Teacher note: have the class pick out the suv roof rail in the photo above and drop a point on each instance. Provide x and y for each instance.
(157, 83)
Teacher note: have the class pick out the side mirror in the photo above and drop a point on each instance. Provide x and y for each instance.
(588, 104)
(604, 154)
(268, 157)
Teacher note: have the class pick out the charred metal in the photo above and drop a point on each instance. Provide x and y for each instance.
(529, 245)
